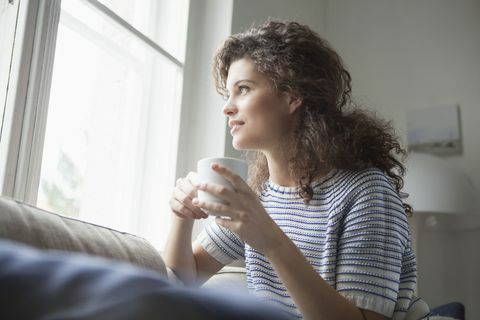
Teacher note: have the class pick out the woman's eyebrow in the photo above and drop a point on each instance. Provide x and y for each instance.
(243, 80)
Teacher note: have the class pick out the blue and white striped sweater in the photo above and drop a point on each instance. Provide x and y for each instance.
(354, 232)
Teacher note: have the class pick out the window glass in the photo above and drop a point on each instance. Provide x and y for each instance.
(112, 127)
(156, 19)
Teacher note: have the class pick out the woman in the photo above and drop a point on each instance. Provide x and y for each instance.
(321, 226)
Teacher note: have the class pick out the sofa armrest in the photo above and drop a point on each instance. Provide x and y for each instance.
(45, 230)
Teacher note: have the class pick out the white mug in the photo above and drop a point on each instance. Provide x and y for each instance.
(207, 175)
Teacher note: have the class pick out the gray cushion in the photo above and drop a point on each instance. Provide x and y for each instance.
(233, 278)
(46, 230)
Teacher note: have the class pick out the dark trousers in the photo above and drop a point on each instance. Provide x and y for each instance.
(36, 284)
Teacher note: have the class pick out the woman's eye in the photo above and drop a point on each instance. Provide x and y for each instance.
(243, 89)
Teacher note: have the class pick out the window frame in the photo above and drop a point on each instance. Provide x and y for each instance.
(24, 109)
(27, 104)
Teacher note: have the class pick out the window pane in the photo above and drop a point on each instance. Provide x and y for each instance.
(156, 19)
(113, 115)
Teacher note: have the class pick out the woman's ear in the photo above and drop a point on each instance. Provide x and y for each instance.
(295, 102)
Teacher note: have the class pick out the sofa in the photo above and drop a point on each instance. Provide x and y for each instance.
(50, 231)
(45, 230)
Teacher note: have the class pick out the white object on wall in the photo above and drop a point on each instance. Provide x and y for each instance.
(437, 186)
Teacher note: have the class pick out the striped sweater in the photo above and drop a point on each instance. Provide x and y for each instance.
(354, 232)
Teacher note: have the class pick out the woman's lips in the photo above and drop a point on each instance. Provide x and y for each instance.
(234, 128)
(235, 125)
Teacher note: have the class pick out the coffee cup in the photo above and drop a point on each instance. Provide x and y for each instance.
(207, 175)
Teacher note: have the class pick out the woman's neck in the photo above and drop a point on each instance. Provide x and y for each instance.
(278, 168)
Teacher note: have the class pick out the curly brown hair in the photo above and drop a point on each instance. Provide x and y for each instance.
(332, 131)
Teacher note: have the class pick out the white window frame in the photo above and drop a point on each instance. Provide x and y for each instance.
(15, 125)
(27, 101)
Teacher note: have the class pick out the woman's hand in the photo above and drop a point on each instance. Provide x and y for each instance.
(244, 213)
(181, 200)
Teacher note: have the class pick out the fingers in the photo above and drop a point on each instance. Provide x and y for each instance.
(213, 208)
(217, 190)
(186, 185)
(232, 177)
(182, 204)
(181, 201)
(182, 211)
(193, 177)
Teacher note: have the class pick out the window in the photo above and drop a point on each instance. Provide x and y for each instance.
(8, 19)
(110, 139)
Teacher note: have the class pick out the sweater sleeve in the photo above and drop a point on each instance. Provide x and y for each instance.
(374, 255)
(222, 244)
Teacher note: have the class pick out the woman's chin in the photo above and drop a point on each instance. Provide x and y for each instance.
(239, 145)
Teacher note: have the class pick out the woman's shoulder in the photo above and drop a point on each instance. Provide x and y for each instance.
(350, 180)
(369, 192)
(359, 186)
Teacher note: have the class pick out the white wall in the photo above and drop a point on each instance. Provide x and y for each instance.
(248, 12)
(414, 54)
(202, 121)
(202, 118)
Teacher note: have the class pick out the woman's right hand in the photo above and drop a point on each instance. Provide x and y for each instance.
(181, 200)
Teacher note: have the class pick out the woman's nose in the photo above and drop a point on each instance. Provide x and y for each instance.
(229, 108)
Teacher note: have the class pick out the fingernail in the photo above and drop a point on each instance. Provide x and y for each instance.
(195, 201)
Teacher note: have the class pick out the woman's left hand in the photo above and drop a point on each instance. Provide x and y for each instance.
(248, 218)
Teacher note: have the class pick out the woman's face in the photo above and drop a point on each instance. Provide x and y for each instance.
(259, 117)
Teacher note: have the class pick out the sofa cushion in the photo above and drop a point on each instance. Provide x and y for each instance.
(233, 278)
(45, 230)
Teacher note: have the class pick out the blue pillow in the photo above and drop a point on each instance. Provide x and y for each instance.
(37, 284)
(453, 309)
